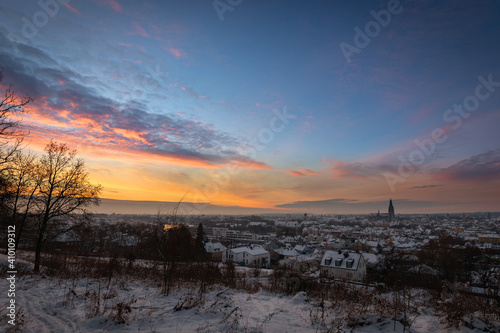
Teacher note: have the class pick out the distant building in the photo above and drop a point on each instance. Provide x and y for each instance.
(392, 216)
(225, 233)
(490, 238)
(219, 232)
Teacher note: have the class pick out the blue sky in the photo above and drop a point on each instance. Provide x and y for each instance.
(168, 94)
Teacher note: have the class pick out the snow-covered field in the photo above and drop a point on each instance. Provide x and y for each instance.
(87, 305)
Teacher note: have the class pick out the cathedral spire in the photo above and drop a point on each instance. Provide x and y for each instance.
(392, 216)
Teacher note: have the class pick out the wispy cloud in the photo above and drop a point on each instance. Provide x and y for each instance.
(424, 186)
(138, 30)
(296, 173)
(482, 167)
(67, 5)
(358, 170)
(309, 172)
(113, 4)
(178, 53)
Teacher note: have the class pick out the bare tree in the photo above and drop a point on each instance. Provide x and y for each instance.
(173, 243)
(65, 189)
(199, 243)
(21, 193)
(11, 133)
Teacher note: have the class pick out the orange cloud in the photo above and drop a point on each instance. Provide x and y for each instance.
(296, 173)
(252, 165)
(131, 134)
(309, 172)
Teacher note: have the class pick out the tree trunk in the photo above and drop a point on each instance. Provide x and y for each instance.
(18, 235)
(39, 244)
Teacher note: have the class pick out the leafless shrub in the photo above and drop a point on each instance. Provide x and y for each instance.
(193, 298)
(232, 320)
(93, 305)
(121, 311)
(69, 296)
(461, 308)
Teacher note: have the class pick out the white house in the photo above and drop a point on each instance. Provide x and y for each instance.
(343, 265)
(253, 255)
(257, 224)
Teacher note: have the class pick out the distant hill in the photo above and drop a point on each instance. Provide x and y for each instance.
(109, 206)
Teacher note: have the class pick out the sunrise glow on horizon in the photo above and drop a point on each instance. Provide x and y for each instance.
(261, 107)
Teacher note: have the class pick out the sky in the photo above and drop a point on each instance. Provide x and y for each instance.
(267, 106)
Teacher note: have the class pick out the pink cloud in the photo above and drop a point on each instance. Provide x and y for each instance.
(139, 31)
(307, 127)
(422, 114)
(354, 170)
(178, 53)
(113, 4)
(72, 9)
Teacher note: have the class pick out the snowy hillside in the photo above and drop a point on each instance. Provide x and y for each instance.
(49, 304)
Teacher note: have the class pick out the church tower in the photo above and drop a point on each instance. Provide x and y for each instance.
(391, 211)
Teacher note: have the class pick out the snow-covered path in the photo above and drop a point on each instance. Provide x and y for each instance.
(46, 313)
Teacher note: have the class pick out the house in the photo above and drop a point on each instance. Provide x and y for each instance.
(215, 251)
(252, 256)
(286, 253)
(68, 241)
(489, 238)
(366, 245)
(302, 249)
(272, 245)
(343, 265)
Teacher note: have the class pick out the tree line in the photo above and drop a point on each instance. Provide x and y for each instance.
(38, 194)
